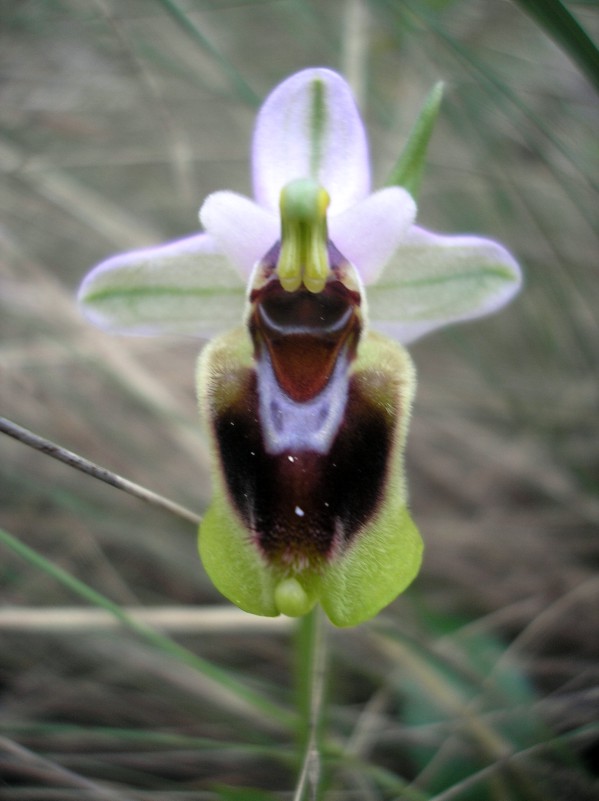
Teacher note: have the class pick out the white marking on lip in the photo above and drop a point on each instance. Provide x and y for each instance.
(290, 426)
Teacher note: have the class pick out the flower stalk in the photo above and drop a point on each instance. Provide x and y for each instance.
(311, 671)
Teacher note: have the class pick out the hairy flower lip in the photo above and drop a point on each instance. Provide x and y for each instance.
(332, 519)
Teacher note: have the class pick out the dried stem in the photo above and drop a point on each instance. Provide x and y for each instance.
(180, 619)
(101, 473)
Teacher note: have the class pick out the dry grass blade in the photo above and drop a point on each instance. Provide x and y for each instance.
(175, 619)
(52, 773)
(89, 208)
(101, 473)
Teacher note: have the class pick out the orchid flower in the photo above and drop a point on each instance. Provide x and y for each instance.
(305, 406)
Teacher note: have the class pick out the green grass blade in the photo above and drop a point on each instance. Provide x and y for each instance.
(558, 22)
(130, 738)
(409, 168)
(244, 91)
(505, 93)
(248, 698)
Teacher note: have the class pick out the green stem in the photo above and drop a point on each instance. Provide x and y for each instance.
(310, 686)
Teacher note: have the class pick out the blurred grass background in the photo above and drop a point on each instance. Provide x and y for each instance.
(116, 120)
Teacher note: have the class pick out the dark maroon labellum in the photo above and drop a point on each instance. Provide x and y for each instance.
(301, 505)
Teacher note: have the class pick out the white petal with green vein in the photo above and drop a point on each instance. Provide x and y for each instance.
(434, 280)
(184, 287)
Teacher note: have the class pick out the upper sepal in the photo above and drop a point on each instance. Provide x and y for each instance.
(309, 127)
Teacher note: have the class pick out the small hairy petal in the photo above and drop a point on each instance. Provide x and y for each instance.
(434, 280)
(244, 231)
(309, 127)
(370, 232)
(183, 287)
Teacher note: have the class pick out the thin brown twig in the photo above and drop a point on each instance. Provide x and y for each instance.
(101, 473)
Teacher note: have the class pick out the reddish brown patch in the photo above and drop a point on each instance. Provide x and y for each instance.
(305, 333)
